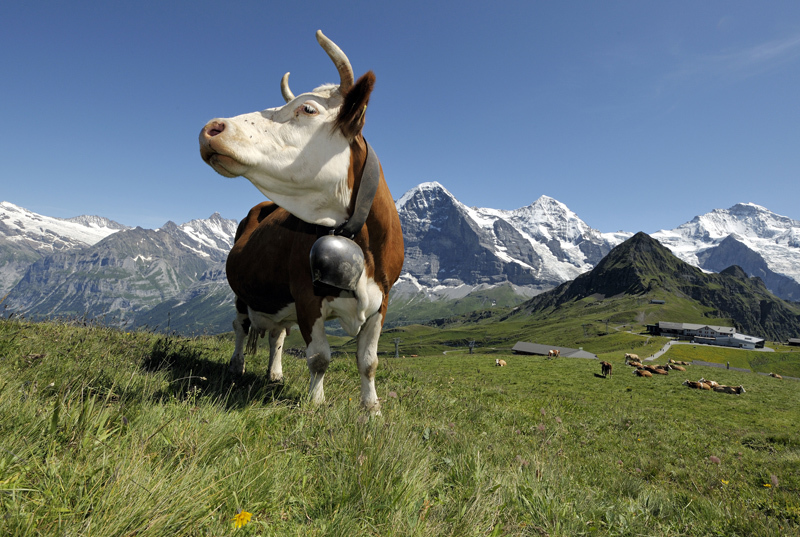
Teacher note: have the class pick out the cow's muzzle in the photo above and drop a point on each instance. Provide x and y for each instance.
(212, 149)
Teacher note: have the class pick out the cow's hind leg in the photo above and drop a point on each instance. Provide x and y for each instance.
(241, 327)
(367, 356)
(318, 357)
(276, 337)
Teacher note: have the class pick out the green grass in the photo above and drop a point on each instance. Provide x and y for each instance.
(785, 362)
(108, 433)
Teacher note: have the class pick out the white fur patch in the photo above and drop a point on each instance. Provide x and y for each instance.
(264, 322)
(353, 313)
(294, 158)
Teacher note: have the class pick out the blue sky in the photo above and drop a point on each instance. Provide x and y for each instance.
(637, 115)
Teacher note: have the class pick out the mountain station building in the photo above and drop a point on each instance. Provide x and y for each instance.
(725, 336)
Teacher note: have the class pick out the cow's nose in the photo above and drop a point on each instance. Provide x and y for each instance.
(213, 128)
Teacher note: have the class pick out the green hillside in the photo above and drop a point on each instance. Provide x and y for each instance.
(107, 433)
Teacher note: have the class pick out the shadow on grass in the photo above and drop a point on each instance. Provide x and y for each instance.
(191, 376)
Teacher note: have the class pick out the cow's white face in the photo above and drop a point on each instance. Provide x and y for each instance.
(292, 154)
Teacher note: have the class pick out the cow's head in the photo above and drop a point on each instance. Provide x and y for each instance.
(298, 154)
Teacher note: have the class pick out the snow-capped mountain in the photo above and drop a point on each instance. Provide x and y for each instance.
(775, 238)
(47, 233)
(93, 266)
(452, 249)
(26, 236)
(125, 273)
(214, 233)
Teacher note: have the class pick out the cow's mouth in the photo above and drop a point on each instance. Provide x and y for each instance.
(225, 165)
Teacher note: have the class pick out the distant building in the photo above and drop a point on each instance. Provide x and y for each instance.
(725, 336)
(794, 341)
(523, 347)
(654, 301)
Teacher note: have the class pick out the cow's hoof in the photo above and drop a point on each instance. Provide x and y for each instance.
(374, 409)
(236, 369)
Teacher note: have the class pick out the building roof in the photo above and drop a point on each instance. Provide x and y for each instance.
(524, 347)
(691, 326)
(749, 339)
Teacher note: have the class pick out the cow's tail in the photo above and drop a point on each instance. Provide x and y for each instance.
(252, 342)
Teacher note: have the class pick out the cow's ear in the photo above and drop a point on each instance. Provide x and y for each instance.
(351, 116)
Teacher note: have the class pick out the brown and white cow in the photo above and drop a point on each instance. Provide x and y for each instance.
(697, 385)
(307, 156)
(499, 363)
(736, 390)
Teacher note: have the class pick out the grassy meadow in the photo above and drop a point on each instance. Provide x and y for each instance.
(107, 433)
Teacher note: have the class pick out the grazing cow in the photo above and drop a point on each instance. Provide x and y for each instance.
(554, 353)
(642, 373)
(629, 356)
(775, 375)
(696, 385)
(605, 368)
(500, 363)
(309, 156)
(737, 390)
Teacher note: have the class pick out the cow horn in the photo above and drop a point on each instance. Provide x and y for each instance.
(285, 91)
(340, 60)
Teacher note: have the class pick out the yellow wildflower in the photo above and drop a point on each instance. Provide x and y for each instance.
(768, 485)
(725, 482)
(241, 518)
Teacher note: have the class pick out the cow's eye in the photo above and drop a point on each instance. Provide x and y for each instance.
(310, 110)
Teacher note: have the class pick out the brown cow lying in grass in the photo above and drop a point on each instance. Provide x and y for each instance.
(736, 390)
(500, 363)
(642, 373)
(716, 386)
(775, 375)
(635, 364)
(697, 385)
(656, 369)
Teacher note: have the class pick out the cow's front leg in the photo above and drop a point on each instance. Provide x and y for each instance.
(241, 326)
(367, 356)
(318, 357)
(276, 337)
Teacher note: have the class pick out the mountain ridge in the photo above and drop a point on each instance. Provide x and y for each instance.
(452, 252)
(642, 266)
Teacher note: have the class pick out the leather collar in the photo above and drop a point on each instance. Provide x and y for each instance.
(370, 177)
